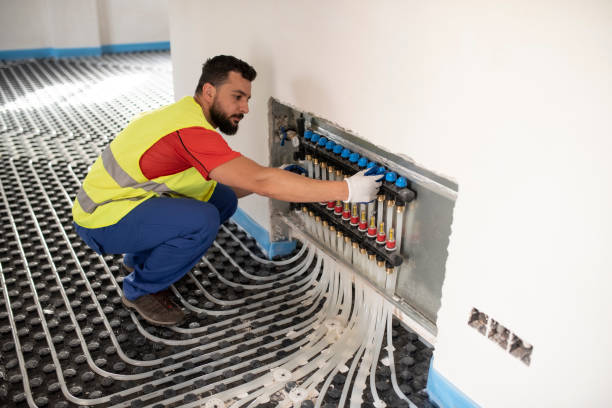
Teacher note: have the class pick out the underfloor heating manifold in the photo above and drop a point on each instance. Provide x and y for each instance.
(297, 331)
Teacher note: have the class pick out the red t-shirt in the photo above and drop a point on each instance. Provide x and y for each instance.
(196, 147)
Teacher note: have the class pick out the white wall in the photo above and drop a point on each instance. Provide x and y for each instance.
(23, 24)
(133, 21)
(72, 24)
(27, 24)
(513, 100)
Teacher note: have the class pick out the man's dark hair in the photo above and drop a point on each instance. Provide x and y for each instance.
(216, 70)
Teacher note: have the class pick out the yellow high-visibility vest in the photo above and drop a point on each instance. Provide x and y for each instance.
(115, 184)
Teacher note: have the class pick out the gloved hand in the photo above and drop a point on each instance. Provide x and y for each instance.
(363, 187)
(294, 168)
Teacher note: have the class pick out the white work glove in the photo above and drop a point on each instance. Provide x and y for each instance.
(362, 188)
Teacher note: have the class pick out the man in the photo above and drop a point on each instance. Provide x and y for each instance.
(160, 190)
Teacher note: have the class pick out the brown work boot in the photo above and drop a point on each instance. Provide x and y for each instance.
(126, 270)
(157, 308)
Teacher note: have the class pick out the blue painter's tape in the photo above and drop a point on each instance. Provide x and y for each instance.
(49, 53)
(262, 236)
(281, 248)
(444, 394)
(76, 52)
(83, 51)
(25, 54)
(148, 46)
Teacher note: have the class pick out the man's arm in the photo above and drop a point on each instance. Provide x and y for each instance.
(244, 175)
(241, 192)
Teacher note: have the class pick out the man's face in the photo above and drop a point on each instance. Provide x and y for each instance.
(231, 103)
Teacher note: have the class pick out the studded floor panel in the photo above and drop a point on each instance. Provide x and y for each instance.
(290, 332)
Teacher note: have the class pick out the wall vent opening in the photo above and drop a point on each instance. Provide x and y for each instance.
(520, 349)
(479, 321)
(501, 335)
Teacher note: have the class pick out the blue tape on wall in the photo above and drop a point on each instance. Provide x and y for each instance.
(262, 236)
(49, 53)
(444, 394)
(82, 52)
(152, 46)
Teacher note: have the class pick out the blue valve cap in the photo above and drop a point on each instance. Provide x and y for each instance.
(354, 157)
(401, 182)
(345, 153)
(391, 176)
(338, 149)
(322, 141)
(308, 134)
(371, 164)
(362, 162)
(329, 145)
(315, 137)
(381, 170)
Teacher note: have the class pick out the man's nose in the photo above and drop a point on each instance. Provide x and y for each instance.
(244, 107)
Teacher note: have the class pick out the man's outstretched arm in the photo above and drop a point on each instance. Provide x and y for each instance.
(243, 174)
(241, 192)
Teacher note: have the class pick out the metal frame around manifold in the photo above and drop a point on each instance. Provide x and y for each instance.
(427, 219)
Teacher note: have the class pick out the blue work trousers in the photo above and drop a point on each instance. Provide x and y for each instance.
(162, 238)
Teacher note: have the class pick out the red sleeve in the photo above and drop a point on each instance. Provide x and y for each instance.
(204, 149)
(196, 147)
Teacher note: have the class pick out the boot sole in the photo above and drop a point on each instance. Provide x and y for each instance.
(133, 307)
(126, 269)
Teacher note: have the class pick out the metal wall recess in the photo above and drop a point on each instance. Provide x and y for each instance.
(407, 228)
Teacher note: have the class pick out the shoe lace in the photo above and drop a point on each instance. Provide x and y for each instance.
(164, 299)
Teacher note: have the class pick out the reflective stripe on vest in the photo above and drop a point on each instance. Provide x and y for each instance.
(123, 179)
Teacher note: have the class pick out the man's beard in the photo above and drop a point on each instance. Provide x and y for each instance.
(222, 121)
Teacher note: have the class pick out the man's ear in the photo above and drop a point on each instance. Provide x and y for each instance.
(208, 92)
